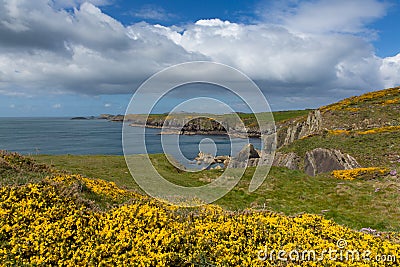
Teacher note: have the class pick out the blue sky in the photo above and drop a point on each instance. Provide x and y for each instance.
(73, 57)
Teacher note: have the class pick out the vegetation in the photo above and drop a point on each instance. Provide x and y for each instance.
(372, 110)
(351, 203)
(16, 169)
(375, 98)
(58, 225)
(281, 116)
(360, 173)
(377, 149)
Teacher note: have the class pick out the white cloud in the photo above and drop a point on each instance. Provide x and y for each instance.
(273, 53)
(86, 51)
(390, 70)
(56, 106)
(107, 105)
(326, 15)
(311, 51)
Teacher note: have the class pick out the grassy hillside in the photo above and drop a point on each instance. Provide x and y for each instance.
(69, 219)
(372, 110)
(366, 127)
(375, 149)
(280, 116)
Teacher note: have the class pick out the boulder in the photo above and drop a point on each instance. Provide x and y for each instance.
(248, 156)
(290, 160)
(247, 152)
(204, 158)
(221, 159)
(322, 160)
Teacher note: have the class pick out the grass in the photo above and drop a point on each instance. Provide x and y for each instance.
(371, 150)
(378, 108)
(352, 203)
(280, 116)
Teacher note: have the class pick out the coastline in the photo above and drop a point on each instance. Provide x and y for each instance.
(178, 131)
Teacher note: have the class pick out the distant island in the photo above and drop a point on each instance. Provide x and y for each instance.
(101, 117)
(79, 118)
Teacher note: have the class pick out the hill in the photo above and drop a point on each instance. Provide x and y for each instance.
(366, 127)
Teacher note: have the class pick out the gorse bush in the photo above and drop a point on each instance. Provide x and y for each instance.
(360, 173)
(382, 97)
(40, 224)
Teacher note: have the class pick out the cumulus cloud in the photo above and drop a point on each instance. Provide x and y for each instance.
(308, 51)
(273, 55)
(390, 70)
(84, 51)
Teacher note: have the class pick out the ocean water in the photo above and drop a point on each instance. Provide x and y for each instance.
(90, 137)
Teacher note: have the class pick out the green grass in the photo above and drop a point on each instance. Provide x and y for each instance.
(380, 149)
(351, 203)
(280, 116)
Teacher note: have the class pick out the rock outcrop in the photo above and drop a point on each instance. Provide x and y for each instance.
(299, 129)
(322, 160)
(290, 160)
(247, 157)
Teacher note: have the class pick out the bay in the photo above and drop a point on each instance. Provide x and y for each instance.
(56, 136)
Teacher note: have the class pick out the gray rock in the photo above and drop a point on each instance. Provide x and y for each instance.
(248, 156)
(322, 160)
(270, 142)
(221, 159)
(204, 158)
(247, 152)
(290, 160)
(312, 125)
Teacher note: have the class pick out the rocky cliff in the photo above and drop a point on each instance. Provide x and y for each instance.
(190, 124)
(298, 128)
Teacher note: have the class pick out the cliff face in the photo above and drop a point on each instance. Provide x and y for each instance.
(185, 124)
(203, 125)
(299, 128)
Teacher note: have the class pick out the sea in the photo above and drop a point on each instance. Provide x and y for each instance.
(55, 136)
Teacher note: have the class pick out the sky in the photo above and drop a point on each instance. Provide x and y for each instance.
(81, 58)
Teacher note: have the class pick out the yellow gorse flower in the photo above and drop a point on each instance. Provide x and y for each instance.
(385, 129)
(40, 226)
(358, 173)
